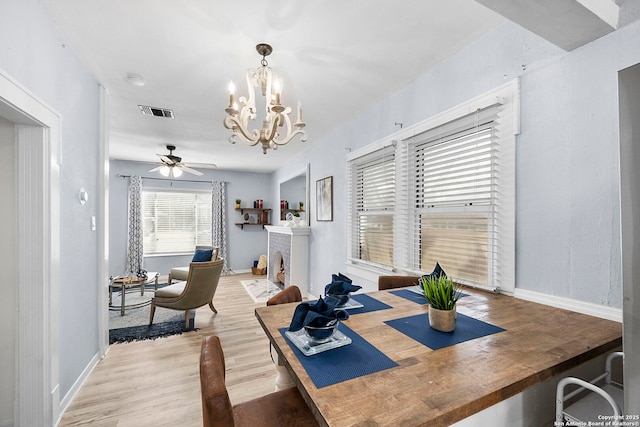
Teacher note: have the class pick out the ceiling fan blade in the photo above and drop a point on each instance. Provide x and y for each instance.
(165, 159)
(187, 169)
(201, 165)
(157, 169)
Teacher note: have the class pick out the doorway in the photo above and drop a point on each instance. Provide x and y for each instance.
(629, 104)
(31, 130)
(8, 253)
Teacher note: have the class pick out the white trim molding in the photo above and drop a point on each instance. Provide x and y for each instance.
(601, 311)
(38, 176)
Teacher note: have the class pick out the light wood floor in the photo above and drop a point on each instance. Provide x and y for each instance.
(157, 383)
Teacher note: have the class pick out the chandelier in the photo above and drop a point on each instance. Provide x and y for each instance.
(272, 134)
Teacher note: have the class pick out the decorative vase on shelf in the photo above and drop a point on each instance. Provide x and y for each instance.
(292, 220)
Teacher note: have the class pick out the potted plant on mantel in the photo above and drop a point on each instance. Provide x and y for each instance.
(443, 294)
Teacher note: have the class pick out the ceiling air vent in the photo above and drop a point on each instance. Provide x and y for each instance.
(155, 111)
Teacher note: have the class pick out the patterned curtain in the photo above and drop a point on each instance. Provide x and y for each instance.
(134, 242)
(219, 221)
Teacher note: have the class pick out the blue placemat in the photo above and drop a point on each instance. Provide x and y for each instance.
(416, 297)
(344, 363)
(411, 296)
(370, 304)
(467, 328)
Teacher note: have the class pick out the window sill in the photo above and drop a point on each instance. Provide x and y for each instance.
(366, 272)
(167, 255)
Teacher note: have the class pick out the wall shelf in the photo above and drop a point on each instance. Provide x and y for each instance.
(283, 212)
(262, 217)
(248, 224)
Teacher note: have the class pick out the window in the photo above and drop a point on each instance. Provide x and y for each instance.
(453, 169)
(175, 222)
(372, 199)
(441, 191)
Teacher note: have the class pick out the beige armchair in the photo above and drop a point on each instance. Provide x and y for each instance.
(198, 290)
(180, 273)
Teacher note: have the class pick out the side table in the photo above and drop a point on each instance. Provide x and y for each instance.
(128, 282)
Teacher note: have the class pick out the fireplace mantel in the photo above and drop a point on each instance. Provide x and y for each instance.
(292, 246)
(294, 231)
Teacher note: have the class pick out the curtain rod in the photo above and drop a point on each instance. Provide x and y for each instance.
(170, 179)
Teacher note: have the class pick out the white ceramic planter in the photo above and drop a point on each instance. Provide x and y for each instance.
(442, 320)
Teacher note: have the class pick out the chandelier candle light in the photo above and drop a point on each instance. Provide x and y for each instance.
(276, 117)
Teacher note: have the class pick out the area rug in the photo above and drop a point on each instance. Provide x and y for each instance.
(134, 325)
(260, 290)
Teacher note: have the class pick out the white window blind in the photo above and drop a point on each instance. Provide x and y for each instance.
(454, 177)
(452, 168)
(175, 222)
(372, 207)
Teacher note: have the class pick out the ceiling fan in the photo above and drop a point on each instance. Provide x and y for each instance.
(172, 166)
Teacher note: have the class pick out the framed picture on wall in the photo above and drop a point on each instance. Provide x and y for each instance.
(324, 199)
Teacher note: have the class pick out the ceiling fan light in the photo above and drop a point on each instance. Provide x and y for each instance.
(164, 171)
(176, 172)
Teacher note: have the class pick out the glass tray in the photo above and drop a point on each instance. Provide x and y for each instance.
(309, 347)
(350, 304)
(417, 289)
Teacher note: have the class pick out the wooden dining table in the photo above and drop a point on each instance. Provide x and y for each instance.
(444, 381)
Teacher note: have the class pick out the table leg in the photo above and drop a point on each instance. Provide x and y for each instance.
(283, 379)
(155, 284)
(122, 302)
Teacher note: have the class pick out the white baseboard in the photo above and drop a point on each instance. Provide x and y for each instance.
(68, 398)
(588, 308)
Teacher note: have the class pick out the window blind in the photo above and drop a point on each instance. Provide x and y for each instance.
(452, 186)
(371, 198)
(175, 222)
(454, 182)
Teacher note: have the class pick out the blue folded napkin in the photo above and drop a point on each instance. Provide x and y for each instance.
(437, 272)
(316, 313)
(340, 285)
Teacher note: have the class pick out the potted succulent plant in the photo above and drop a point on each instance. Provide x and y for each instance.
(238, 201)
(301, 206)
(443, 294)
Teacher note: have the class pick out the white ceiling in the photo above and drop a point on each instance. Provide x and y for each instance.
(337, 57)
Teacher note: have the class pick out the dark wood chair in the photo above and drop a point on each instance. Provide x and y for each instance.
(280, 409)
(391, 282)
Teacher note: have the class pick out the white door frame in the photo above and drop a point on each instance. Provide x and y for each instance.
(38, 177)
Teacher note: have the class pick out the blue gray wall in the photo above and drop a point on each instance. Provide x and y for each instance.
(568, 241)
(33, 53)
(245, 245)
(568, 217)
